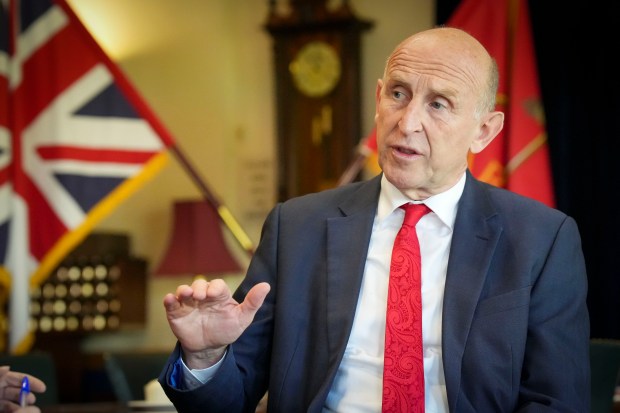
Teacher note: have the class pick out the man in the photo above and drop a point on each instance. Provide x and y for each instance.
(505, 324)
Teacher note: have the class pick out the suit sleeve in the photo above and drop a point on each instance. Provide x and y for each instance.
(242, 379)
(556, 372)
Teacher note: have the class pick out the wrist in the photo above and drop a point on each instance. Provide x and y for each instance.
(202, 359)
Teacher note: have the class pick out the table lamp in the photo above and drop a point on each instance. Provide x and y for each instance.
(197, 246)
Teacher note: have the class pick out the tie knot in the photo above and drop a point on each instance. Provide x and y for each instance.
(413, 213)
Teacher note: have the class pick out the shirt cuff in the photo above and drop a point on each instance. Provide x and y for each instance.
(194, 378)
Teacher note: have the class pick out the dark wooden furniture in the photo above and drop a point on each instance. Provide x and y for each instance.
(98, 288)
(317, 61)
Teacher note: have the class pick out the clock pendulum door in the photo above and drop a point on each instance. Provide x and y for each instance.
(317, 75)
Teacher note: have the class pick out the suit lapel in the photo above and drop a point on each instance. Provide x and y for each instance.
(348, 237)
(476, 233)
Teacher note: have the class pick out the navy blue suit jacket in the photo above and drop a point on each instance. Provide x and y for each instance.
(515, 324)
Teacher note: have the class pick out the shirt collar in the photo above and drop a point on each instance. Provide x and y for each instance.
(444, 205)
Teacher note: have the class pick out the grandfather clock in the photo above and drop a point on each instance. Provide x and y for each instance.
(318, 88)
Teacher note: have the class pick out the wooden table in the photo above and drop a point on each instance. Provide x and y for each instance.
(105, 408)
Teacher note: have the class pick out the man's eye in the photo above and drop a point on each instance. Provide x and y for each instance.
(397, 95)
(436, 105)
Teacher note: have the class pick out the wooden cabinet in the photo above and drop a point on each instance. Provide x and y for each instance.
(317, 62)
(98, 288)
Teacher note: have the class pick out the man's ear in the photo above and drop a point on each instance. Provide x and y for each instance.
(491, 127)
(378, 96)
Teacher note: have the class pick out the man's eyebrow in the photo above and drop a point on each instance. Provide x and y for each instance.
(396, 81)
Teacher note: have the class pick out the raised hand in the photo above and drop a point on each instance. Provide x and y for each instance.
(205, 318)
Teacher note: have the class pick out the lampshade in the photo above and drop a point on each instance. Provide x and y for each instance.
(197, 245)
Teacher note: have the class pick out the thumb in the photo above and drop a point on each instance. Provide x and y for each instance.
(255, 298)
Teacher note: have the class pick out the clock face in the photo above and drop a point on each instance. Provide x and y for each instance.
(316, 69)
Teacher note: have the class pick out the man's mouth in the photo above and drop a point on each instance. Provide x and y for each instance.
(405, 151)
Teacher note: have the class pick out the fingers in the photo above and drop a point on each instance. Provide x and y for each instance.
(36, 385)
(253, 301)
(211, 293)
(6, 407)
(256, 296)
(200, 290)
(218, 289)
(200, 293)
(28, 409)
(13, 379)
(10, 387)
(184, 295)
(170, 302)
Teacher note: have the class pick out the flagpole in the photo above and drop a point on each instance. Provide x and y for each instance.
(364, 149)
(223, 212)
(355, 166)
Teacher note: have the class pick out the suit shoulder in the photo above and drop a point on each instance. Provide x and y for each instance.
(325, 199)
(515, 205)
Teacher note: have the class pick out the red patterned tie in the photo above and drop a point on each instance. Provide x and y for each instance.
(403, 373)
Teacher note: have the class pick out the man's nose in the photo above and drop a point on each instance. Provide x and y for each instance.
(410, 122)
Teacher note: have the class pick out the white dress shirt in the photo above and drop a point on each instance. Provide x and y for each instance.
(358, 385)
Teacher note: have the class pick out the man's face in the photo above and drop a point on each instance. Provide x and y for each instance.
(426, 114)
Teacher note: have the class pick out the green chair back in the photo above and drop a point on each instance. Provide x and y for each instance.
(129, 372)
(605, 370)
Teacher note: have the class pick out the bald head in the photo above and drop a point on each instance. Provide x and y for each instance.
(460, 52)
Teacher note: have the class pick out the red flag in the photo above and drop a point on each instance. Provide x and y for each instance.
(371, 166)
(75, 141)
(518, 158)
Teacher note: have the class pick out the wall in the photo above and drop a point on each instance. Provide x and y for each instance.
(205, 68)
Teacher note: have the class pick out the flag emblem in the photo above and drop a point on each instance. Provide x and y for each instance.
(75, 141)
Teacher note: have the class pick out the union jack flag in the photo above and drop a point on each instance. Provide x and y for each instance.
(75, 140)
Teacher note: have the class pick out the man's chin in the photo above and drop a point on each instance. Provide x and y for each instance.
(401, 179)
